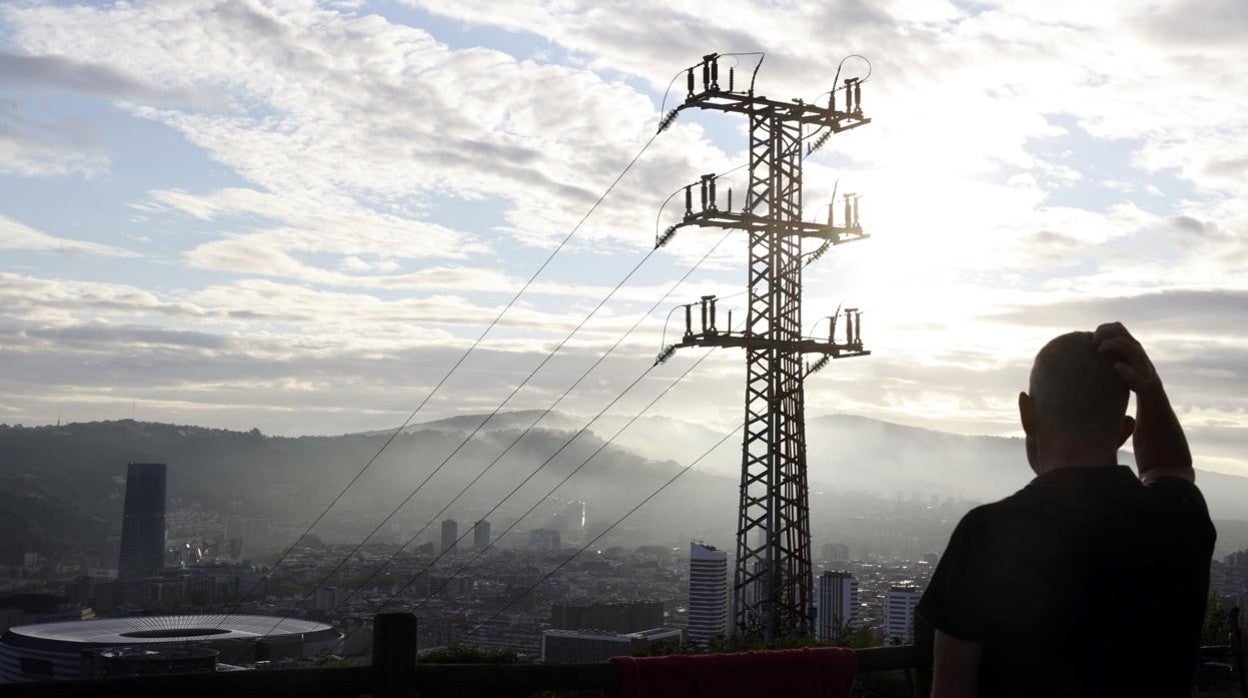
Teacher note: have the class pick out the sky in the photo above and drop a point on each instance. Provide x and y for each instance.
(298, 215)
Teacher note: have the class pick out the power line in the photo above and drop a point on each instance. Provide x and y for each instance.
(394, 434)
(464, 442)
(534, 423)
(552, 490)
(549, 492)
(610, 528)
(508, 496)
(547, 411)
(559, 484)
(467, 439)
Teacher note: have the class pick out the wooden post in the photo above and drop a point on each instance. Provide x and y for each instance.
(924, 642)
(394, 654)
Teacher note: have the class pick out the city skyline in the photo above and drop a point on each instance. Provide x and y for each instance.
(296, 254)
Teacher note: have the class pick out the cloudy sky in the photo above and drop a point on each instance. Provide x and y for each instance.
(296, 215)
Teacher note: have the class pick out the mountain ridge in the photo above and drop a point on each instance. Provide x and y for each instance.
(76, 474)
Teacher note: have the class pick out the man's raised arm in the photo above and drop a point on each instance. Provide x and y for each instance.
(1160, 446)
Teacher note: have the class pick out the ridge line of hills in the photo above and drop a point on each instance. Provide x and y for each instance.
(61, 487)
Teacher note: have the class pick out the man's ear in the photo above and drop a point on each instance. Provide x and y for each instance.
(1126, 430)
(1027, 413)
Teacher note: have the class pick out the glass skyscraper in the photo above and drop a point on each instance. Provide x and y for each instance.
(143, 522)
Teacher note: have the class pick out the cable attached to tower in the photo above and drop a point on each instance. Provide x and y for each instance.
(454, 367)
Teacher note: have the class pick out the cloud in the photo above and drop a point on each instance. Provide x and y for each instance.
(59, 72)
(15, 235)
(1204, 312)
(35, 148)
(98, 336)
(1199, 25)
(395, 117)
(1007, 176)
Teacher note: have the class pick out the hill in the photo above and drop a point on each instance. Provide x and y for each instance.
(63, 485)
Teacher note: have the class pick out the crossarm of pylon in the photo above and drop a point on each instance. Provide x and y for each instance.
(804, 346)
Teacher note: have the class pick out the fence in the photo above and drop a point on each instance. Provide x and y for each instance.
(395, 673)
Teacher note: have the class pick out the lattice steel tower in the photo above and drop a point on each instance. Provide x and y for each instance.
(772, 580)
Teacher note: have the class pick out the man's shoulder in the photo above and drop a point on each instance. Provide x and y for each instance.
(1003, 508)
(1005, 516)
(982, 518)
(1183, 498)
(1179, 488)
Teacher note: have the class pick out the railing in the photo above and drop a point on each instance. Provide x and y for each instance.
(395, 672)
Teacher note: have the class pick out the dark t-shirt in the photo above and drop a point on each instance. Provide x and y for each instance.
(1085, 582)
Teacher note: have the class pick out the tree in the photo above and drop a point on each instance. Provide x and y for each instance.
(1217, 626)
(462, 653)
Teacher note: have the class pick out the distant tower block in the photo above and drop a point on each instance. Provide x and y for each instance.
(899, 603)
(143, 522)
(837, 605)
(481, 534)
(708, 593)
(450, 534)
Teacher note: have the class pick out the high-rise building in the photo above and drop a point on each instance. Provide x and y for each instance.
(481, 534)
(143, 522)
(450, 534)
(708, 593)
(837, 596)
(899, 603)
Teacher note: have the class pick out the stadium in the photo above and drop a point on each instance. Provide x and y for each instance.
(61, 650)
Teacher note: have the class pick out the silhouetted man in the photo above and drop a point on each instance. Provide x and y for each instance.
(1089, 581)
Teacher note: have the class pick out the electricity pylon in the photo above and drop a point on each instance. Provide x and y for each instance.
(772, 580)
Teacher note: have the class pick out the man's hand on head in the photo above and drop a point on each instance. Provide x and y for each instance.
(1160, 446)
(1130, 361)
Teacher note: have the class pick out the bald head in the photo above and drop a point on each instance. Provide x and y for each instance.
(1075, 390)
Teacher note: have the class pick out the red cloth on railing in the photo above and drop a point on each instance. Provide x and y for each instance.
(826, 672)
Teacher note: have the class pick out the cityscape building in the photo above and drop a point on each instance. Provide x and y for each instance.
(544, 540)
(614, 617)
(117, 662)
(24, 608)
(836, 603)
(594, 646)
(143, 522)
(708, 593)
(54, 650)
(31, 562)
(481, 534)
(450, 534)
(327, 598)
(899, 603)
